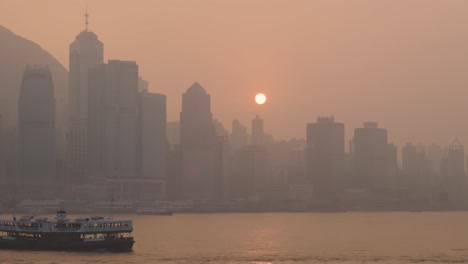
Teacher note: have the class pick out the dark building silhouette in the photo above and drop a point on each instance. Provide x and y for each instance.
(152, 141)
(222, 169)
(173, 133)
(325, 159)
(36, 133)
(196, 119)
(392, 163)
(113, 124)
(219, 128)
(371, 163)
(436, 154)
(415, 180)
(238, 136)
(454, 177)
(250, 173)
(174, 189)
(86, 52)
(113, 128)
(257, 131)
(198, 145)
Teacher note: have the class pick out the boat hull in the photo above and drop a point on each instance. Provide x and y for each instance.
(38, 244)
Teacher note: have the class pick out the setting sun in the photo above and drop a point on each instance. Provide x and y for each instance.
(260, 98)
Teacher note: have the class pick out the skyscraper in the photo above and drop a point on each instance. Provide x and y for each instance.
(325, 159)
(257, 131)
(198, 145)
(113, 129)
(250, 173)
(238, 136)
(371, 157)
(196, 119)
(36, 133)
(85, 52)
(152, 140)
(455, 177)
(416, 172)
(113, 124)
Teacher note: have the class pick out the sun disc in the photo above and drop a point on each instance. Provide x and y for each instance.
(260, 98)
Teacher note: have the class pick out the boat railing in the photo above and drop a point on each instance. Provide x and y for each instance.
(7, 227)
(105, 227)
(29, 228)
(93, 227)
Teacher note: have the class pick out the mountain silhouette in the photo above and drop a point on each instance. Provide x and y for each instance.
(15, 53)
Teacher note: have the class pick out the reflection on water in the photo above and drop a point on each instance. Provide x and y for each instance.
(281, 239)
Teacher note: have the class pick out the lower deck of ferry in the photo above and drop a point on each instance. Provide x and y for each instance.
(66, 241)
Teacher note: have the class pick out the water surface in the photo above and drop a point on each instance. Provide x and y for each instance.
(281, 238)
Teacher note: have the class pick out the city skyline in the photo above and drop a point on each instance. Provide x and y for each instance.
(117, 146)
(406, 104)
(234, 131)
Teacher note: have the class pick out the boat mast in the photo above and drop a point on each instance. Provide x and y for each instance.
(14, 203)
(112, 204)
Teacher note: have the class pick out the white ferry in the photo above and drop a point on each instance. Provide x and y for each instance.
(94, 233)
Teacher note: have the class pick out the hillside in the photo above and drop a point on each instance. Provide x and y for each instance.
(15, 53)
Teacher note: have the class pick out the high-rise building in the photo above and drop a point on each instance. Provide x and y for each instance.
(392, 163)
(436, 154)
(455, 175)
(257, 131)
(36, 133)
(198, 145)
(113, 124)
(3, 178)
(415, 173)
(238, 136)
(250, 173)
(222, 169)
(325, 159)
(173, 133)
(370, 157)
(85, 53)
(196, 119)
(114, 132)
(142, 85)
(153, 142)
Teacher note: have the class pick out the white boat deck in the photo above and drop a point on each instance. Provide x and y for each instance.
(88, 225)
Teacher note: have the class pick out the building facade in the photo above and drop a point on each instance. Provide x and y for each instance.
(238, 136)
(198, 145)
(36, 133)
(258, 134)
(325, 159)
(113, 124)
(454, 177)
(154, 147)
(85, 53)
(371, 157)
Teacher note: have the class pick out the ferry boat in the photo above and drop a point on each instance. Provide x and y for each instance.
(94, 233)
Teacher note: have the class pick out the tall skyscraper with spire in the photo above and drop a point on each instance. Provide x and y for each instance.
(85, 53)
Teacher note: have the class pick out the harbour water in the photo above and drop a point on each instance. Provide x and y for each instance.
(280, 238)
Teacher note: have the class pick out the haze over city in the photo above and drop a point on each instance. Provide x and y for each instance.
(400, 63)
(233, 131)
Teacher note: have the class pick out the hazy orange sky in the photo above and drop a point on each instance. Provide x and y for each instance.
(401, 63)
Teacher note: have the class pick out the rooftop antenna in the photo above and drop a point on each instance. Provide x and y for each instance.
(86, 17)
